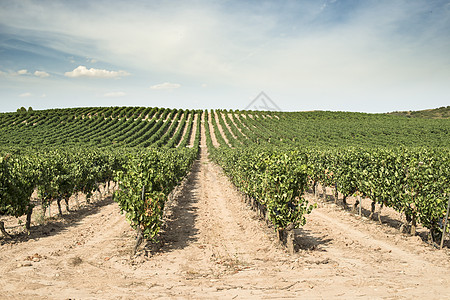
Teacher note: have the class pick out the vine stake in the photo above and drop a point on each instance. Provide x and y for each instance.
(360, 205)
(139, 230)
(3, 230)
(445, 223)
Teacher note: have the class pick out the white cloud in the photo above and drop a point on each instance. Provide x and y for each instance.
(342, 50)
(25, 95)
(91, 60)
(204, 85)
(41, 74)
(20, 72)
(82, 71)
(114, 94)
(2, 73)
(165, 86)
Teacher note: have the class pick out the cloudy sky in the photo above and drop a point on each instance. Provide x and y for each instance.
(346, 55)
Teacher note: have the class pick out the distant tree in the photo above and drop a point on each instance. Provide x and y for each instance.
(30, 108)
(22, 109)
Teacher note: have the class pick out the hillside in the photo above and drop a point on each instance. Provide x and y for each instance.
(143, 127)
(436, 113)
(222, 204)
(97, 127)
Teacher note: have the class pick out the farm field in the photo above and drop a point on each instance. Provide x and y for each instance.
(211, 243)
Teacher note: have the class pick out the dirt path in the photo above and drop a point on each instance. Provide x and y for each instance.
(207, 122)
(214, 247)
(373, 261)
(232, 118)
(179, 124)
(223, 116)
(193, 131)
(221, 130)
(186, 125)
(238, 120)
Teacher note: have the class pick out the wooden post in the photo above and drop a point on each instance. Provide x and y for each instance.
(76, 200)
(316, 190)
(445, 223)
(335, 193)
(29, 212)
(413, 225)
(372, 210)
(58, 201)
(379, 212)
(280, 233)
(3, 230)
(290, 238)
(140, 236)
(66, 200)
(360, 205)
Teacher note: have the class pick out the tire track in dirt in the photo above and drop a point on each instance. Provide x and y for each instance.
(73, 261)
(215, 246)
(375, 262)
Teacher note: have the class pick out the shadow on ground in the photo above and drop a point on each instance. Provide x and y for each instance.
(394, 223)
(305, 240)
(55, 225)
(385, 220)
(179, 230)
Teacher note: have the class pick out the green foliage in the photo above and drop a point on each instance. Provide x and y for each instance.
(156, 172)
(17, 182)
(412, 181)
(90, 127)
(60, 152)
(276, 179)
(400, 162)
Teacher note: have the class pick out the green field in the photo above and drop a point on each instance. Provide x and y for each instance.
(273, 157)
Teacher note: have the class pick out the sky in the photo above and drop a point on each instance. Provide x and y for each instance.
(339, 55)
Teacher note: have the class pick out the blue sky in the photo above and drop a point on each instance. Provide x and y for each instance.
(346, 55)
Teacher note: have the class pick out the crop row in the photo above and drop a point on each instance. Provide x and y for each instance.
(412, 180)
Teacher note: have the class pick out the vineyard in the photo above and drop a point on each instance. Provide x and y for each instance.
(277, 162)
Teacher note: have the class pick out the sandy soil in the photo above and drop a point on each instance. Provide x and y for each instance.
(179, 123)
(222, 115)
(232, 118)
(237, 121)
(214, 247)
(193, 131)
(211, 129)
(216, 116)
